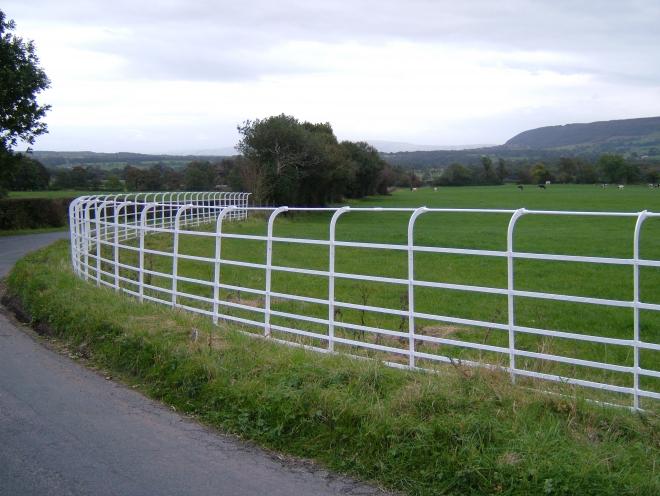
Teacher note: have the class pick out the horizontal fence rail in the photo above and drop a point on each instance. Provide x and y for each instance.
(176, 249)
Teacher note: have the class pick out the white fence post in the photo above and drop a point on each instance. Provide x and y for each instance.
(175, 251)
(269, 267)
(636, 298)
(117, 216)
(142, 231)
(216, 264)
(411, 284)
(510, 291)
(331, 276)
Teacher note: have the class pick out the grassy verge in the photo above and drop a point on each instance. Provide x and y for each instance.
(467, 432)
(20, 232)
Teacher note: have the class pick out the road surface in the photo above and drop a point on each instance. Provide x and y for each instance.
(65, 430)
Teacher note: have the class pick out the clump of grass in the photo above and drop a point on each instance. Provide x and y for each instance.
(420, 433)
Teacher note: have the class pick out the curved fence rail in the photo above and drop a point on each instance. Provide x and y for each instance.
(317, 283)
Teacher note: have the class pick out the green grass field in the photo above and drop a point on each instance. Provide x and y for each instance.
(64, 193)
(606, 237)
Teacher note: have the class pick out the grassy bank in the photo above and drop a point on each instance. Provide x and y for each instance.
(465, 432)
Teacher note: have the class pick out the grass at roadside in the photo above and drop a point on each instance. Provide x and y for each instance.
(20, 232)
(466, 432)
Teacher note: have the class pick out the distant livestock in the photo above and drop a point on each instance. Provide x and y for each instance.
(620, 186)
(604, 185)
(520, 187)
(542, 186)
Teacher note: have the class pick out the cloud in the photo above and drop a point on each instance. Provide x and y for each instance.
(420, 71)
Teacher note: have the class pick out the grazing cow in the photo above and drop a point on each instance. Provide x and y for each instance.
(414, 189)
(542, 186)
(651, 185)
(656, 185)
(604, 185)
(520, 187)
(435, 189)
(620, 186)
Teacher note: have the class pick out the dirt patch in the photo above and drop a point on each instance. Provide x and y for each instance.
(14, 305)
(441, 331)
(254, 302)
(509, 458)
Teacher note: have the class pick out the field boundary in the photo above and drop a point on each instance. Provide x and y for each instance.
(102, 226)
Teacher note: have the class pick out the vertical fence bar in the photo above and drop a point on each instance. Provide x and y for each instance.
(411, 284)
(216, 264)
(636, 299)
(510, 289)
(116, 247)
(88, 235)
(331, 276)
(142, 231)
(99, 236)
(73, 234)
(269, 267)
(175, 251)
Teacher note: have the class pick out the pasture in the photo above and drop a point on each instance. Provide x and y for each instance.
(582, 236)
(62, 193)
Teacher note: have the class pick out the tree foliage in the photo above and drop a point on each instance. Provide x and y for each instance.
(286, 162)
(21, 80)
(22, 173)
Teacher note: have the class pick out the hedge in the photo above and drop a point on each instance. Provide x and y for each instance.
(33, 213)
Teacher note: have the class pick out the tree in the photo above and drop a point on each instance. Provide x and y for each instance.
(568, 168)
(368, 167)
(455, 175)
(113, 184)
(488, 174)
(199, 175)
(612, 167)
(502, 172)
(540, 173)
(21, 80)
(615, 169)
(27, 174)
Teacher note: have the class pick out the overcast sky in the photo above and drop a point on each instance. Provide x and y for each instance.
(179, 75)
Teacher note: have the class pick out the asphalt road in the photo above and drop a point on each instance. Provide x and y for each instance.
(66, 430)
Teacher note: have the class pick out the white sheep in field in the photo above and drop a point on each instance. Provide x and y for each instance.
(620, 186)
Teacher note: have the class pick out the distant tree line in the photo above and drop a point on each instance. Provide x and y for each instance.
(314, 169)
(608, 168)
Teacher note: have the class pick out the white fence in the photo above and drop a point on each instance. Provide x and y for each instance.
(110, 246)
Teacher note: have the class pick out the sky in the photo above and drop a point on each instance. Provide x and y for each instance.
(178, 76)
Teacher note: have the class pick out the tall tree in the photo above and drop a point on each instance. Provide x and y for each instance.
(21, 80)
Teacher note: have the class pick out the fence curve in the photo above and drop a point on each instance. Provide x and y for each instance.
(112, 244)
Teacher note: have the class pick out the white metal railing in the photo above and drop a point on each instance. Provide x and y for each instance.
(103, 226)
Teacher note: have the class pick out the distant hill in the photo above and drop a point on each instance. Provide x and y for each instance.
(629, 137)
(620, 133)
(115, 160)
